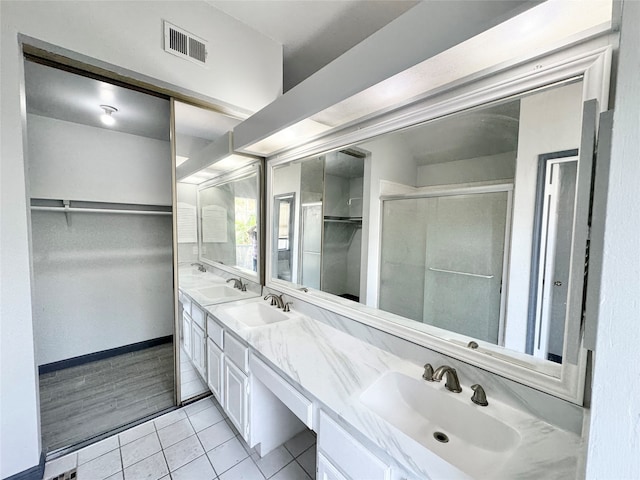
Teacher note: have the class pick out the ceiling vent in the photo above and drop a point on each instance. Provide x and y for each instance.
(184, 44)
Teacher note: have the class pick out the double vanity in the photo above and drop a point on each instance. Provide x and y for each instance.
(410, 284)
(276, 372)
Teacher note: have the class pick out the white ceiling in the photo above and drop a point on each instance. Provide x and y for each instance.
(67, 96)
(482, 132)
(63, 95)
(313, 32)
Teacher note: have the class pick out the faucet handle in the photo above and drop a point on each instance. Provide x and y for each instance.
(428, 372)
(479, 396)
(286, 307)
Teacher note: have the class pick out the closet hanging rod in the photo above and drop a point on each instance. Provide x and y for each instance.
(98, 210)
(460, 273)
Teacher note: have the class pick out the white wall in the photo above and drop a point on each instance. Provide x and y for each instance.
(614, 440)
(550, 121)
(478, 169)
(77, 162)
(251, 67)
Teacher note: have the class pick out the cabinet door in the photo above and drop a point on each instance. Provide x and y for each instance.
(326, 470)
(198, 346)
(236, 385)
(215, 378)
(186, 333)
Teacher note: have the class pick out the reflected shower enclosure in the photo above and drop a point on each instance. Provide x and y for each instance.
(443, 258)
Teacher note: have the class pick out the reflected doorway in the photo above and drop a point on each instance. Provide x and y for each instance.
(553, 233)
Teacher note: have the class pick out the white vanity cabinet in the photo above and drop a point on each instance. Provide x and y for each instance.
(215, 374)
(198, 349)
(228, 375)
(326, 470)
(236, 397)
(186, 333)
(342, 457)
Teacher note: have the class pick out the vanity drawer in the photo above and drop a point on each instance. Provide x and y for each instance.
(215, 332)
(197, 315)
(236, 352)
(301, 406)
(344, 450)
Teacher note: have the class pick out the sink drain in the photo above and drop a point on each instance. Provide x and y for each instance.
(441, 437)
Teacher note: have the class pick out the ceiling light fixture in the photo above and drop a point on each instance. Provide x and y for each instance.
(106, 117)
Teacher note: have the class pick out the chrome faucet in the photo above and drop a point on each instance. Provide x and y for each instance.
(452, 384)
(200, 267)
(275, 300)
(237, 283)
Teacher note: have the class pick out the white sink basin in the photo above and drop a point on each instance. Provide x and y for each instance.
(255, 314)
(219, 292)
(447, 423)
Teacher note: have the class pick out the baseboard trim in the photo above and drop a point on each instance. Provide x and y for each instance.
(34, 473)
(112, 352)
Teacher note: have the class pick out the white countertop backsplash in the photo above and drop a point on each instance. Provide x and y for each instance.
(334, 368)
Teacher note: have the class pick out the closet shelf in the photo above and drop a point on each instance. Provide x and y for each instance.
(336, 219)
(99, 210)
(77, 206)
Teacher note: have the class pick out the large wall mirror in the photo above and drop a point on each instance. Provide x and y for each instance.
(218, 199)
(228, 213)
(459, 230)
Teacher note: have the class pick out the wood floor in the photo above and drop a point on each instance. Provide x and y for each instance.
(81, 402)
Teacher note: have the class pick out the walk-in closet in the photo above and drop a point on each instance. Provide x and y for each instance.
(100, 191)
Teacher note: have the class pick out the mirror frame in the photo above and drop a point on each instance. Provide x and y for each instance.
(259, 276)
(590, 60)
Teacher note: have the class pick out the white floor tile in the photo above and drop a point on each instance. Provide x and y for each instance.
(140, 449)
(198, 406)
(215, 435)
(175, 432)
(97, 449)
(151, 468)
(135, 433)
(245, 470)
(60, 465)
(273, 461)
(205, 418)
(308, 461)
(293, 471)
(169, 418)
(183, 452)
(199, 469)
(227, 455)
(101, 467)
(300, 442)
(116, 476)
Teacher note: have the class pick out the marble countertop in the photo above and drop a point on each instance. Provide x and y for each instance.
(194, 283)
(335, 368)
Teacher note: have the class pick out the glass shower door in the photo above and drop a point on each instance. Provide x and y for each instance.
(464, 258)
(445, 266)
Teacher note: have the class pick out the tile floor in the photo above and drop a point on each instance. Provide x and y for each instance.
(196, 442)
(81, 402)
